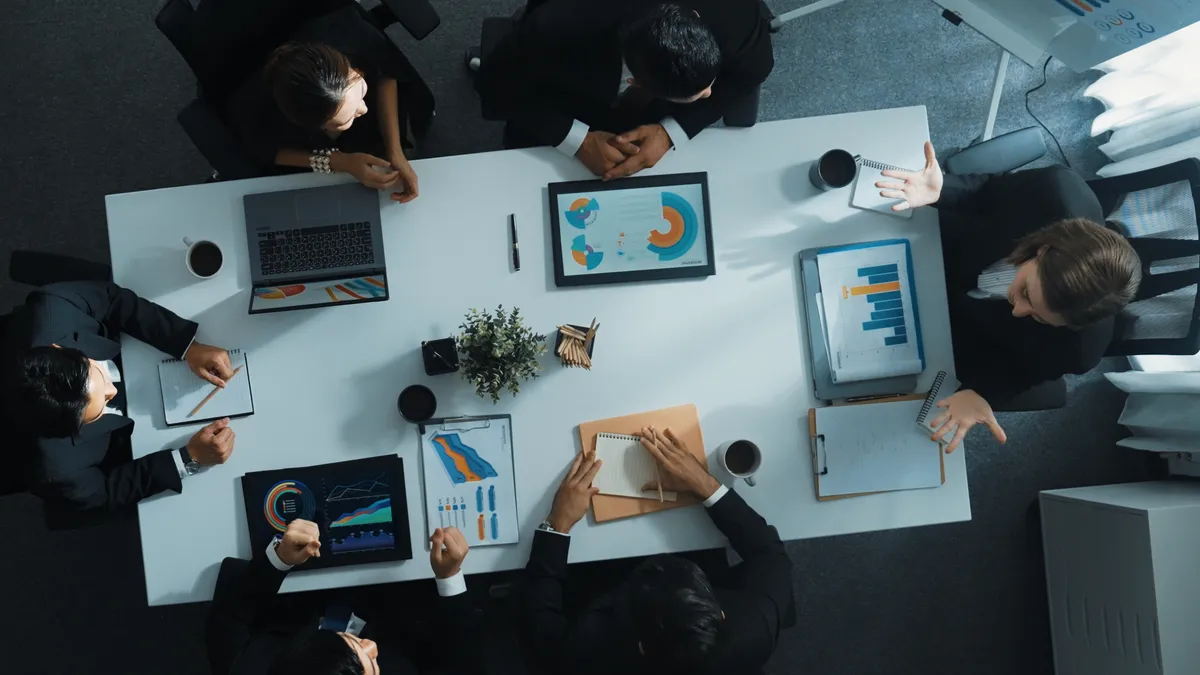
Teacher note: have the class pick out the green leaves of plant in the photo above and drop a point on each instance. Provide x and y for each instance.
(498, 351)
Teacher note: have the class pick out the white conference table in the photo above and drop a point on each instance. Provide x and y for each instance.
(326, 380)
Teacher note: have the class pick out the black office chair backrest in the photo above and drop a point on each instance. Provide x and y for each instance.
(224, 41)
(1162, 204)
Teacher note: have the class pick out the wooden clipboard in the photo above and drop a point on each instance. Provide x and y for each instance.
(812, 433)
(684, 420)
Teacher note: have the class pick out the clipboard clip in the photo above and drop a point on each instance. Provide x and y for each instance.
(820, 457)
(456, 423)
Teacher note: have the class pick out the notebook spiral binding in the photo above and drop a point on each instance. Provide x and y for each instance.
(931, 400)
(231, 351)
(877, 165)
(618, 437)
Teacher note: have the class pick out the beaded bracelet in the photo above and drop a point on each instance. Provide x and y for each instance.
(318, 161)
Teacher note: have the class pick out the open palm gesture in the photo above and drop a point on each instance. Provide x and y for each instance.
(918, 189)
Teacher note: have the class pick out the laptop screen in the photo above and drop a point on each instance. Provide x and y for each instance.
(319, 293)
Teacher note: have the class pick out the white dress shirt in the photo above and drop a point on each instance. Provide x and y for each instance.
(579, 131)
(994, 281)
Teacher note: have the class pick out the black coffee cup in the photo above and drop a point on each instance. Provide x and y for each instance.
(204, 258)
(416, 403)
(835, 169)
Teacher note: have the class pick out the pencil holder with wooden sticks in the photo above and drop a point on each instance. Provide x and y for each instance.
(574, 345)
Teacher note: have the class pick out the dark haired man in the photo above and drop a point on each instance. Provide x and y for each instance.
(64, 399)
(248, 632)
(617, 83)
(667, 617)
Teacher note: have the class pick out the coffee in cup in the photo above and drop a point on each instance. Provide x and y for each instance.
(835, 169)
(741, 459)
(204, 258)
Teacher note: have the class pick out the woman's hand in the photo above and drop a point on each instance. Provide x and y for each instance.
(964, 410)
(404, 188)
(363, 167)
(918, 189)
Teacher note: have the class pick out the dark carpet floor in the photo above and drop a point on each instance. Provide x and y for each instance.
(90, 95)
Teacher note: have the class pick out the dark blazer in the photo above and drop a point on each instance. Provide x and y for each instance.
(93, 470)
(982, 218)
(562, 62)
(756, 599)
(246, 629)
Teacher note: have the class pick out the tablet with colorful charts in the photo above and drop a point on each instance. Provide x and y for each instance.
(632, 229)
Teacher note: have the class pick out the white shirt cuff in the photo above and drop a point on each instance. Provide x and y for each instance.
(715, 497)
(185, 351)
(455, 585)
(678, 136)
(179, 464)
(274, 557)
(575, 137)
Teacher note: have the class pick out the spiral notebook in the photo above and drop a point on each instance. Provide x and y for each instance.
(626, 467)
(866, 195)
(183, 390)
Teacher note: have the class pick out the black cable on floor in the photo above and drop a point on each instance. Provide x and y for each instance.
(1035, 117)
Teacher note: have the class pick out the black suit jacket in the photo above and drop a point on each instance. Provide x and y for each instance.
(92, 470)
(245, 629)
(562, 62)
(982, 218)
(755, 601)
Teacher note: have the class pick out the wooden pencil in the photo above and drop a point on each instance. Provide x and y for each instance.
(212, 394)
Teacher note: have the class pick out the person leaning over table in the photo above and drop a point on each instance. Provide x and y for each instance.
(66, 402)
(317, 108)
(668, 617)
(618, 83)
(246, 633)
(1034, 279)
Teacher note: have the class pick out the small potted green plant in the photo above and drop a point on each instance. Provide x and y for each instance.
(497, 351)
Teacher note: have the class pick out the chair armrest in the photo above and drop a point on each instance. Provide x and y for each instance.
(216, 142)
(39, 268)
(1000, 154)
(418, 17)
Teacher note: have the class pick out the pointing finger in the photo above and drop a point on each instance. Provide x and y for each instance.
(930, 156)
(997, 431)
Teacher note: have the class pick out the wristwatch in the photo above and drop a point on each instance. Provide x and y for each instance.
(191, 466)
(547, 527)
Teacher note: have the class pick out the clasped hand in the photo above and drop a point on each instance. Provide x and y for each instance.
(611, 156)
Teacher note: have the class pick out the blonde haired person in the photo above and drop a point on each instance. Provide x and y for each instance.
(1033, 276)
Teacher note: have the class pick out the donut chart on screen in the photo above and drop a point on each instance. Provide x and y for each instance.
(286, 501)
(678, 240)
(582, 212)
(584, 254)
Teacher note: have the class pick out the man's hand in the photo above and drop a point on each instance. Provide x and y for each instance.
(301, 541)
(964, 410)
(575, 493)
(404, 188)
(209, 363)
(447, 550)
(918, 189)
(600, 152)
(213, 444)
(361, 166)
(681, 471)
(652, 142)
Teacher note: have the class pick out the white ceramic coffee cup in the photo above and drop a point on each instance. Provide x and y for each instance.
(748, 475)
(187, 256)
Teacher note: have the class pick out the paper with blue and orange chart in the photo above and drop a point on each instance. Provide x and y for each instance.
(632, 230)
(469, 479)
(871, 323)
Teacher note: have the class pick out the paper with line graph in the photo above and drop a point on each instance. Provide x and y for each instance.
(871, 321)
(470, 484)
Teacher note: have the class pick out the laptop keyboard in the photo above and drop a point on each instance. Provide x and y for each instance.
(311, 249)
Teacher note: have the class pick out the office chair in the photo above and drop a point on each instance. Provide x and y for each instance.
(225, 41)
(744, 113)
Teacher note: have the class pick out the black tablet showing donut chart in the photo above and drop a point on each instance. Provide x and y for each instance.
(359, 506)
(632, 229)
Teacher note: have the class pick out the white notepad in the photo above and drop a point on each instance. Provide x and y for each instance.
(183, 390)
(874, 448)
(866, 195)
(626, 467)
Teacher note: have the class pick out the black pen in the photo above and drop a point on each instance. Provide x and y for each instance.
(512, 227)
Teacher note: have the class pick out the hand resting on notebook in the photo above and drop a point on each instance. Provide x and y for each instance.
(575, 493)
(917, 189)
(209, 363)
(679, 468)
(964, 410)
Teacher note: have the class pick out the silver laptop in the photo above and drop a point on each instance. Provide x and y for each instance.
(314, 248)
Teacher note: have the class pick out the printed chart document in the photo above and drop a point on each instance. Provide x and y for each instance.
(875, 448)
(183, 390)
(626, 467)
(467, 465)
(869, 310)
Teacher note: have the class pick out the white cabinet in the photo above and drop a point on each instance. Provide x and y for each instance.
(1123, 573)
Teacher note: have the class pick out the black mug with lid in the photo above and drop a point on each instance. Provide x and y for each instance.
(835, 169)
(417, 403)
